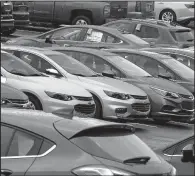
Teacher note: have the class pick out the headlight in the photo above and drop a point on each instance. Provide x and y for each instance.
(99, 170)
(173, 172)
(59, 96)
(116, 95)
(165, 93)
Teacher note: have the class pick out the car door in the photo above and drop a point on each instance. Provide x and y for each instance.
(147, 33)
(182, 168)
(18, 150)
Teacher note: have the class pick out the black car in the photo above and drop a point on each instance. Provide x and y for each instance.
(172, 153)
(13, 98)
(82, 35)
(159, 65)
(185, 56)
(44, 144)
(156, 32)
(169, 101)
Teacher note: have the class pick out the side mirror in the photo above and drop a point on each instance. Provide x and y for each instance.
(108, 73)
(48, 39)
(187, 153)
(51, 71)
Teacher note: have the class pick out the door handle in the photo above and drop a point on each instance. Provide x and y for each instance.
(5, 172)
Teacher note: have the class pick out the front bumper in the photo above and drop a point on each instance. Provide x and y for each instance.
(180, 110)
(125, 109)
(79, 108)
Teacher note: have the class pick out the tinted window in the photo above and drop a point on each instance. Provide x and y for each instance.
(122, 26)
(182, 36)
(6, 136)
(46, 145)
(24, 144)
(71, 65)
(120, 146)
(15, 66)
(181, 145)
(130, 68)
(147, 32)
(180, 68)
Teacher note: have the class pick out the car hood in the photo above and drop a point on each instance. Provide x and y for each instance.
(162, 84)
(110, 84)
(12, 93)
(57, 85)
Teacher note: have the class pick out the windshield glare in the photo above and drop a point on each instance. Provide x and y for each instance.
(180, 68)
(14, 65)
(71, 65)
(120, 146)
(135, 39)
(129, 68)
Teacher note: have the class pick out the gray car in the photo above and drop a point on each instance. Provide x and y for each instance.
(169, 101)
(13, 98)
(114, 99)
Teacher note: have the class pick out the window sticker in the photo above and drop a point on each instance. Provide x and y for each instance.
(95, 37)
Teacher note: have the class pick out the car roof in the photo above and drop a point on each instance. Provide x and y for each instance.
(30, 49)
(44, 124)
(83, 49)
(159, 23)
(150, 54)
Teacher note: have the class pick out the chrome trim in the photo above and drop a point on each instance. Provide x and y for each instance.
(30, 156)
(171, 155)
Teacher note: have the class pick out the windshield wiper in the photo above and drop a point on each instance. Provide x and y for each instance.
(78, 74)
(138, 160)
(18, 73)
(36, 74)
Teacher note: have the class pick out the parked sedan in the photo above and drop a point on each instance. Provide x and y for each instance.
(74, 146)
(159, 65)
(44, 92)
(78, 35)
(113, 98)
(156, 32)
(169, 101)
(185, 56)
(172, 153)
(13, 98)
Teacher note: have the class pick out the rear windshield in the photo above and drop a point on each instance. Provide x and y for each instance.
(183, 36)
(118, 146)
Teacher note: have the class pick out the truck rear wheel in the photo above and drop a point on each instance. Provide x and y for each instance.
(81, 20)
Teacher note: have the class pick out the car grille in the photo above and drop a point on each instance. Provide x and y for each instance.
(17, 101)
(83, 98)
(141, 107)
(139, 97)
(85, 109)
(186, 96)
(187, 105)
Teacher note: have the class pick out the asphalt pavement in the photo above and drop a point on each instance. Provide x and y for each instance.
(154, 135)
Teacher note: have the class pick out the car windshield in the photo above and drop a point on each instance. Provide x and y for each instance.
(129, 68)
(71, 65)
(118, 146)
(180, 68)
(183, 36)
(135, 39)
(16, 66)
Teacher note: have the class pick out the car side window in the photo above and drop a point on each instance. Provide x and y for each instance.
(36, 62)
(127, 27)
(181, 145)
(67, 34)
(24, 144)
(146, 31)
(6, 137)
(98, 36)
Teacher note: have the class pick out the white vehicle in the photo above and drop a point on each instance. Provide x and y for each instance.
(173, 11)
(114, 99)
(46, 93)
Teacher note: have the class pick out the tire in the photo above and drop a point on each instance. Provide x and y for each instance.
(9, 32)
(35, 101)
(169, 12)
(81, 18)
(98, 111)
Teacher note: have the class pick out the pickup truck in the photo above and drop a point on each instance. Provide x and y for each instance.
(7, 21)
(69, 12)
